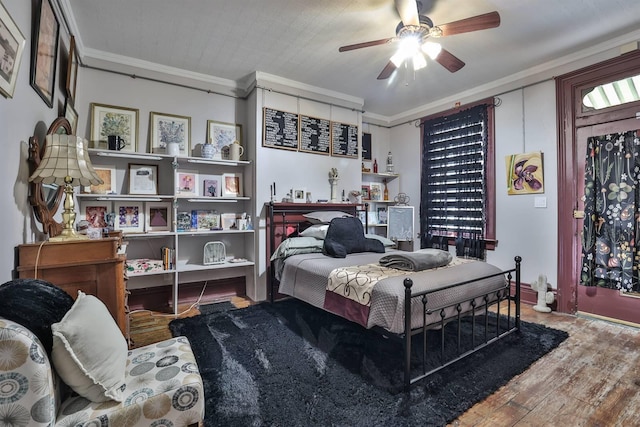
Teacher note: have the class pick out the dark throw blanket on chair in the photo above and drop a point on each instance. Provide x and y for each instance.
(36, 305)
(346, 236)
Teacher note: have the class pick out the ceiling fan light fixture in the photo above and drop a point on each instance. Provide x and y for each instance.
(432, 49)
(419, 61)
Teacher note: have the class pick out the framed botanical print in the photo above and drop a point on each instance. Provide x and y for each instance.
(14, 43)
(168, 129)
(129, 216)
(44, 51)
(221, 134)
(158, 216)
(143, 179)
(109, 120)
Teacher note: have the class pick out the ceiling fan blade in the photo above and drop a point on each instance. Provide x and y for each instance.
(408, 11)
(365, 44)
(475, 23)
(449, 61)
(387, 71)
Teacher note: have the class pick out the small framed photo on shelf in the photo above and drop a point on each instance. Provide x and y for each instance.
(187, 184)
(108, 176)
(228, 221)
(299, 195)
(373, 218)
(212, 186)
(15, 42)
(232, 185)
(44, 54)
(382, 215)
(366, 192)
(109, 120)
(129, 217)
(167, 129)
(222, 134)
(143, 179)
(158, 216)
(96, 213)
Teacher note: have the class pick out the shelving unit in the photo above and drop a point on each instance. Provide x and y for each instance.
(370, 179)
(188, 245)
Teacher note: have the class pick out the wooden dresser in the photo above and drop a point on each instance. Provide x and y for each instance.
(92, 266)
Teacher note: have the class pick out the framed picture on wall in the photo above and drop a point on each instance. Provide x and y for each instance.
(113, 120)
(10, 61)
(44, 51)
(72, 71)
(222, 134)
(167, 129)
(71, 114)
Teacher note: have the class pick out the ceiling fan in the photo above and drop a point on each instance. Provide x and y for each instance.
(414, 33)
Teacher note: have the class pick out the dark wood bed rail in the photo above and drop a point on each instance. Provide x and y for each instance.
(504, 294)
(282, 215)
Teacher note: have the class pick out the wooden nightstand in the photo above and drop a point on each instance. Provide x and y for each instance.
(92, 266)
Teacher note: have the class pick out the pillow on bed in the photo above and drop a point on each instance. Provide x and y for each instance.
(319, 231)
(388, 243)
(297, 245)
(346, 236)
(325, 217)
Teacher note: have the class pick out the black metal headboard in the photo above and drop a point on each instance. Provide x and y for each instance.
(284, 216)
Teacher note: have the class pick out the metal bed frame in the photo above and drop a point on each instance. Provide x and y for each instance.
(432, 318)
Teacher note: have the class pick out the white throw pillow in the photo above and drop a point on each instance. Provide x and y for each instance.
(89, 351)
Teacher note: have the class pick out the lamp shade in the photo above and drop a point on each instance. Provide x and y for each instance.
(65, 161)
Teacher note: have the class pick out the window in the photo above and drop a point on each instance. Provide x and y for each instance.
(458, 176)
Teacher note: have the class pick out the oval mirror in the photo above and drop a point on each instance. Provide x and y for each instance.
(46, 198)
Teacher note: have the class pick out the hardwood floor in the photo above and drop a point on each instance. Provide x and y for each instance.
(592, 379)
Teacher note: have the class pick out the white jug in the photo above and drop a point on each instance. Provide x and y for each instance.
(235, 151)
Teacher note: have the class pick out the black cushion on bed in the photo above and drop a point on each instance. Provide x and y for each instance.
(36, 305)
(346, 236)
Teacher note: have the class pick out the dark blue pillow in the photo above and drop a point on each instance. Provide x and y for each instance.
(346, 236)
(36, 305)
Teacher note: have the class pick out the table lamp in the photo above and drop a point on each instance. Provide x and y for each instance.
(66, 162)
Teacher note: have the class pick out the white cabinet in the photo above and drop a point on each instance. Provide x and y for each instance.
(373, 186)
(161, 250)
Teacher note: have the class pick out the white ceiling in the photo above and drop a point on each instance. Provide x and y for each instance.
(299, 40)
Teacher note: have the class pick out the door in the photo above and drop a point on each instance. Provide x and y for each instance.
(602, 301)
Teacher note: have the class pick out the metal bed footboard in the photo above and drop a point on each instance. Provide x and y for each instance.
(495, 297)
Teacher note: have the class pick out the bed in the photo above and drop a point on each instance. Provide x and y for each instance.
(399, 303)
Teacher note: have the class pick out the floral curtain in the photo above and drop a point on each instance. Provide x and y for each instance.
(611, 224)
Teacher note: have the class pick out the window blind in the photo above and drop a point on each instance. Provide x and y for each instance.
(453, 190)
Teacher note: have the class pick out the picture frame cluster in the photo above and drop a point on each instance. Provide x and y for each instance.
(128, 216)
(193, 184)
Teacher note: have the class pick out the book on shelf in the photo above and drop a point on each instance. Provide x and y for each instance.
(168, 257)
(183, 221)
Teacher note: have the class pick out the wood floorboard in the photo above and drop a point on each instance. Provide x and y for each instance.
(592, 379)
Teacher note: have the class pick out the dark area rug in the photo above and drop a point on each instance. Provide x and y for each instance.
(290, 364)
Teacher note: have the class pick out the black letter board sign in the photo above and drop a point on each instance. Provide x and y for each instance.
(280, 129)
(344, 140)
(315, 135)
